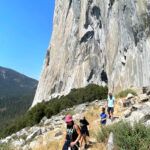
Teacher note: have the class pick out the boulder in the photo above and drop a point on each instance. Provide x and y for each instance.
(146, 90)
(129, 96)
(50, 128)
(110, 145)
(6, 140)
(147, 103)
(43, 130)
(80, 108)
(143, 98)
(59, 133)
(43, 120)
(23, 132)
(18, 143)
(127, 113)
(136, 116)
(136, 107)
(34, 134)
(126, 102)
(142, 114)
(133, 100)
(47, 122)
(147, 123)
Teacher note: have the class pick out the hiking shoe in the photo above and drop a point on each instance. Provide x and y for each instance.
(85, 146)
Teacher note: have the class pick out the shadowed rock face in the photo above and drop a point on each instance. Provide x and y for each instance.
(97, 41)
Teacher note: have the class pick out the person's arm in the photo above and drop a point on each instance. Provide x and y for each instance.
(105, 118)
(87, 123)
(79, 136)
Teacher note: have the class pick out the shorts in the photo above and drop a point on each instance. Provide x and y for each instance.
(84, 132)
(110, 109)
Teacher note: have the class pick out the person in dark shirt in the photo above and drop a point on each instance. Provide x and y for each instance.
(84, 131)
(103, 117)
(72, 135)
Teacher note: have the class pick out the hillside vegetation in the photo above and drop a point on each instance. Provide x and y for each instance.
(16, 95)
(54, 106)
(13, 107)
(136, 137)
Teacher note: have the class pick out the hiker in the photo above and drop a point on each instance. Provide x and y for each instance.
(110, 105)
(103, 117)
(84, 131)
(72, 135)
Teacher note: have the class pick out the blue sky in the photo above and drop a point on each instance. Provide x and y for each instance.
(25, 31)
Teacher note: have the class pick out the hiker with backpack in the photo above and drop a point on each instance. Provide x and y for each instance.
(72, 135)
(84, 131)
(110, 105)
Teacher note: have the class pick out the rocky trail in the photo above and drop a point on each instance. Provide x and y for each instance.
(48, 134)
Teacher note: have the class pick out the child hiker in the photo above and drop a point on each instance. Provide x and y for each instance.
(103, 117)
(84, 131)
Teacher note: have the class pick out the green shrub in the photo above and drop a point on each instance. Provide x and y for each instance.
(134, 137)
(102, 134)
(125, 93)
(35, 114)
(5, 147)
(55, 106)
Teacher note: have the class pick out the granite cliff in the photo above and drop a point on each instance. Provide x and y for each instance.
(96, 41)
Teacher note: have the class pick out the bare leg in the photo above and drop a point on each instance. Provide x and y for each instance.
(81, 140)
(111, 115)
(85, 141)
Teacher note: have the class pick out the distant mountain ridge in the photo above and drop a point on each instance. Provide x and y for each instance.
(16, 94)
(13, 83)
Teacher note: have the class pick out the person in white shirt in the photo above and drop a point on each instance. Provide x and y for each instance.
(110, 105)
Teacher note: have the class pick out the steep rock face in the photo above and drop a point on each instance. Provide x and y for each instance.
(96, 41)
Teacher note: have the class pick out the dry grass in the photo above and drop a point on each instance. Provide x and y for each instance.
(55, 145)
(99, 146)
(49, 142)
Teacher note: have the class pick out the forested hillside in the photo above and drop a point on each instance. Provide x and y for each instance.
(16, 94)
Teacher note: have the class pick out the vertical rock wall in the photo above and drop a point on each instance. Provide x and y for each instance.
(96, 41)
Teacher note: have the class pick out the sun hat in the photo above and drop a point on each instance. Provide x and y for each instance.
(68, 118)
